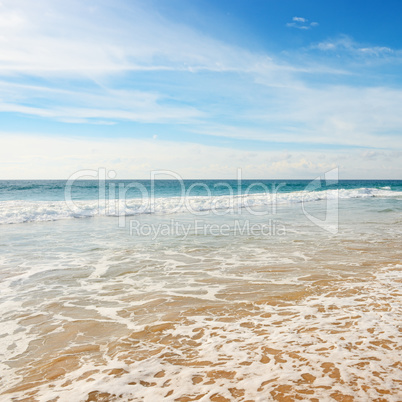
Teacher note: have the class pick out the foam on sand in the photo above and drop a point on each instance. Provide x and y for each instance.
(340, 341)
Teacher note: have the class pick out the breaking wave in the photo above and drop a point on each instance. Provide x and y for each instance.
(38, 211)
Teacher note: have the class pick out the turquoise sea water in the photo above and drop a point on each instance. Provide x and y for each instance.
(54, 190)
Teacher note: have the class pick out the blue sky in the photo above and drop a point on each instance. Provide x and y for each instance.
(280, 89)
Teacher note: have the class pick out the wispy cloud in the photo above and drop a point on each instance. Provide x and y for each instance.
(345, 44)
(301, 23)
(332, 115)
(106, 45)
(74, 43)
(77, 39)
(100, 106)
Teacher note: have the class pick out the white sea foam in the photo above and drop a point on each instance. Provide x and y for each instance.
(37, 211)
(270, 350)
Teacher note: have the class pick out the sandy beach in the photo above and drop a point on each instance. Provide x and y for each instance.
(304, 315)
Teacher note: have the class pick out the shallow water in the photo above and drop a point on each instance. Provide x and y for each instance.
(92, 312)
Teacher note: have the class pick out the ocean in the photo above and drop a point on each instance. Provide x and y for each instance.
(208, 290)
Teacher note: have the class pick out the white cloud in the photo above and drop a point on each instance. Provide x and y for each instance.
(346, 44)
(59, 157)
(376, 50)
(301, 23)
(295, 25)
